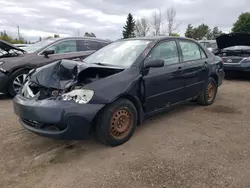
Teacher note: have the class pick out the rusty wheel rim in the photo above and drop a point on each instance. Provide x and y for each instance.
(210, 91)
(121, 123)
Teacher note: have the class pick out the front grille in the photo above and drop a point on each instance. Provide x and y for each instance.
(33, 90)
(231, 60)
(49, 127)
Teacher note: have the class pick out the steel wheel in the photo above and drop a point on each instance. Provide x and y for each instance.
(19, 82)
(210, 92)
(121, 123)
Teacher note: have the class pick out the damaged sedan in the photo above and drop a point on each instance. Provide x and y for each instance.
(116, 88)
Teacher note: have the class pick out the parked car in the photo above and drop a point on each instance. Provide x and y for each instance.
(115, 88)
(9, 50)
(234, 49)
(13, 70)
(211, 45)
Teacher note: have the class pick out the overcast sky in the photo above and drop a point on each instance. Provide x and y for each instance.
(106, 18)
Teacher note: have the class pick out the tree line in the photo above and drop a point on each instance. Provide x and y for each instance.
(165, 23)
(4, 36)
(161, 22)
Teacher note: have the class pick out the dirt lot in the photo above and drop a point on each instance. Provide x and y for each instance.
(188, 146)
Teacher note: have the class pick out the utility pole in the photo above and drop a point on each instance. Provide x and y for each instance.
(18, 32)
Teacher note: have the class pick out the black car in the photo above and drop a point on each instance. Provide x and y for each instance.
(234, 49)
(15, 66)
(115, 88)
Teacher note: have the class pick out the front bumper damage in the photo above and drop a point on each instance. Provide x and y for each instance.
(56, 119)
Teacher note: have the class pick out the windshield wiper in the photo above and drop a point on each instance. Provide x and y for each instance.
(105, 64)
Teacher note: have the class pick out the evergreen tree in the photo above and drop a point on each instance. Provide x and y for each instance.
(189, 31)
(129, 28)
(243, 23)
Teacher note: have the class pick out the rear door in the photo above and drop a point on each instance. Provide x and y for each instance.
(164, 86)
(197, 71)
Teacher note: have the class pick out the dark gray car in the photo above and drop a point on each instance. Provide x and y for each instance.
(13, 70)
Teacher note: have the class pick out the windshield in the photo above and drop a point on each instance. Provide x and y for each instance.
(238, 48)
(120, 53)
(37, 46)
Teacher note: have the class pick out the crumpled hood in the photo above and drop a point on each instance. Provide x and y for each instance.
(233, 39)
(5, 46)
(60, 74)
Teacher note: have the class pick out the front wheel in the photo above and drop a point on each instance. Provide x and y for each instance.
(117, 123)
(16, 81)
(208, 95)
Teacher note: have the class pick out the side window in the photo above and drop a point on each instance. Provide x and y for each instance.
(166, 51)
(86, 45)
(64, 47)
(190, 51)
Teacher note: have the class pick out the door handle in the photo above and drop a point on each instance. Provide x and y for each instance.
(205, 64)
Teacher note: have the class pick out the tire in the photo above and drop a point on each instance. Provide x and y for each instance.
(208, 95)
(12, 88)
(116, 123)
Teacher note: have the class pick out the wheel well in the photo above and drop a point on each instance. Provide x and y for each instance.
(19, 68)
(215, 77)
(137, 103)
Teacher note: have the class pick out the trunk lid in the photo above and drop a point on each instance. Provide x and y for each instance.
(233, 39)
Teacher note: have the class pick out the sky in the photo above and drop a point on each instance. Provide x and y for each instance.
(106, 18)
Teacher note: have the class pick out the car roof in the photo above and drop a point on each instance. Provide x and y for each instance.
(158, 38)
(77, 38)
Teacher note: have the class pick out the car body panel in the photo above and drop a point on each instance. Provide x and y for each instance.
(164, 84)
(77, 120)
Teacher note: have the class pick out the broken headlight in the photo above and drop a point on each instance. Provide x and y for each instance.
(81, 96)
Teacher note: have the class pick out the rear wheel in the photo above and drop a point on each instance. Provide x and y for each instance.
(208, 94)
(16, 81)
(117, 123)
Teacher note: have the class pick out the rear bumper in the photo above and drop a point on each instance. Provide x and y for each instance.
(56, 119)
(221, 75)
(240, 67)
(3, 83)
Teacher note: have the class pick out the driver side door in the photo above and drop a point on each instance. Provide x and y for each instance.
(164, 86)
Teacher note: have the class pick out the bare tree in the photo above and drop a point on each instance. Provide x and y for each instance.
(142, 27)
(172, 25)
(156, 22)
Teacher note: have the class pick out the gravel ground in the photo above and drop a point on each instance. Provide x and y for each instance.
(188, 146)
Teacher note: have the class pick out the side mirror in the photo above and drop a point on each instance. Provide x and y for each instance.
(154, 63)
(46, 53)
